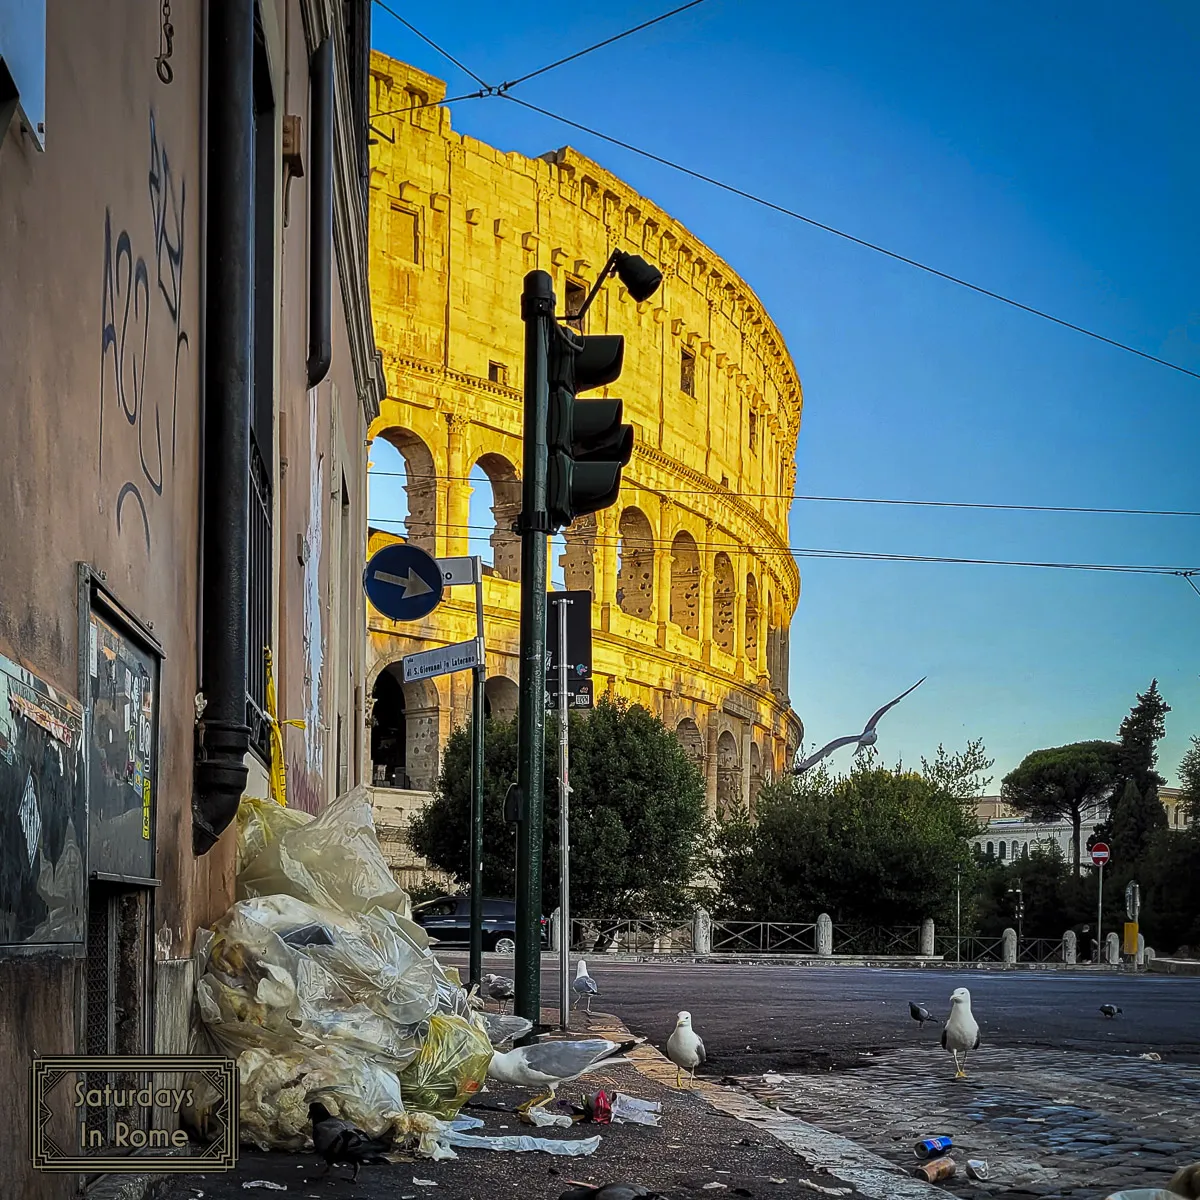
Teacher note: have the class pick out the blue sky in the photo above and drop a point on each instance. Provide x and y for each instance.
(1046, 155)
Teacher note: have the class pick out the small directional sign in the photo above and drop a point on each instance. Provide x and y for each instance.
(444, 660)
(403, 582)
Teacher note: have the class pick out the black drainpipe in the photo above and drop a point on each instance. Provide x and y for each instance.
(222, 735)
(320, 215)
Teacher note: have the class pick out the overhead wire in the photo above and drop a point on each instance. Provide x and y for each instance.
(387, 8)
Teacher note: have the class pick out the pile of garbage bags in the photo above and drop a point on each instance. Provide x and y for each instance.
(321, 986)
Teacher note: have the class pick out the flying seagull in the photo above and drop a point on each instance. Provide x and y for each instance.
(584, 986)
(961, 1032)
(1109, 1010)
(684, 1047)
(338, 1141)
(550, 1064)
(919, 1014)
(868, 737)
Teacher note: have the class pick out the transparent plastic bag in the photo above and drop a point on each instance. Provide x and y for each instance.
(333, 861)
(449, 1068)
(260, 822)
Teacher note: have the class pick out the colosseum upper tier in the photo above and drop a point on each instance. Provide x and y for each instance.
(692, 581)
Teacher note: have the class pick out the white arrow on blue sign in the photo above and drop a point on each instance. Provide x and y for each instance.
(403, 582)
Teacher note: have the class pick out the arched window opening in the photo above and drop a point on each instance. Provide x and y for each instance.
(729, 773)
(635, 565)
(724, 599)
(685, 584)
(1003, 850)
(751, 620)
(692, 741)
(402, 488)
(756, 774)
(500, 696)
(495, 504)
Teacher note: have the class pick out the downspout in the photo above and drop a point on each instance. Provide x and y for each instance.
(222, 735)
(320, 215)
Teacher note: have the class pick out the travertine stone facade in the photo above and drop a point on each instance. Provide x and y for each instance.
(693, 584)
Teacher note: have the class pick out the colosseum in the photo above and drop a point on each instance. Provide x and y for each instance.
(692, 582)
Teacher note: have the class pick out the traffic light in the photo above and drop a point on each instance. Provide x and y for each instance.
(587, 443)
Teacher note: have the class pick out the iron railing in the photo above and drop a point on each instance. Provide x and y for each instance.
(876, 939)
(969, 949)
(644, 935)
(1040, 950)
(763, 937)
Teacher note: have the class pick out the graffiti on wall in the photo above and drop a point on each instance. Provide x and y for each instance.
(137, 381)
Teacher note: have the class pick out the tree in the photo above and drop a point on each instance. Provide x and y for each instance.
(1189, 780)
(1062, 783)
(873, 847)
(1135, 816)
(1139, 735)
(637, 813)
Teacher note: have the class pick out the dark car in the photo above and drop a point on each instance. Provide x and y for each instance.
(448, 920)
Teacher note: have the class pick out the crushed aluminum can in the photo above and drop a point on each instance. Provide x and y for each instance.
(936, 1169)
(977, 1168)
(932, 1147)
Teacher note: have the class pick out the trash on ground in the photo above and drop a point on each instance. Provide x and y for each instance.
(264, 1183)
(933, 1147)
(634, 1111)
(936, 1169)
(825, 1191)
(773, 1079)
(424, 1182)
(544, 1119)
(977, 1168)
(523, 1143)
(715, 1187)
(1151, 1057)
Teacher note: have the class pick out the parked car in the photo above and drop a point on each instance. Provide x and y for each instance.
(448, 920)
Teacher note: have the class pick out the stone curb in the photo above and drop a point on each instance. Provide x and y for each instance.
(829, 1153)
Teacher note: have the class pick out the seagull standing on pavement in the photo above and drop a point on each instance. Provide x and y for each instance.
(550, 1064)
(584, 986)
(919, 1014)
(961, 1031)
(499, 988)
(684, 1048)
(868, 737)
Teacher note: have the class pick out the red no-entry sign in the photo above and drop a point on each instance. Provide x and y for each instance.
(1100, 854)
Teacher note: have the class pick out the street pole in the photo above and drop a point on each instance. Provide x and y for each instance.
(958, 916)
(1100, 917)
(564, 825)
(537, 311)
(477, 702)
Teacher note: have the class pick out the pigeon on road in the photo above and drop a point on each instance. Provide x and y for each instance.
(684, 1048)
(1109, 1010)
(584, 986)
(550, 1064)
(961, 1031)
(499, 988)
(338, 1141)
(919, 1014)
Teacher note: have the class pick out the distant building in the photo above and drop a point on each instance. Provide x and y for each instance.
(1178, 816)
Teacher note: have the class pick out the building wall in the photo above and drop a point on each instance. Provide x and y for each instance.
(102, 340)
(693, 587)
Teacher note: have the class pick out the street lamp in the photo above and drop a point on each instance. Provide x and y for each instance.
(1020, 912)
(958, 914)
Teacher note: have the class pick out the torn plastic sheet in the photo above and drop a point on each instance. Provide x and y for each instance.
(455, 1135)
(637, 1112)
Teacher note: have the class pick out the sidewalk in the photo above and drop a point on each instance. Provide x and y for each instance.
(714, 1143)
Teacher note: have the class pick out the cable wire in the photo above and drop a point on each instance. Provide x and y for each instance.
(392, 112)
(430, 42)
(724, 493)
(892, 254)
(598, 45)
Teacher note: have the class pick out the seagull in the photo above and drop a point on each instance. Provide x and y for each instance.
(961, 1031)
(337, 1141)
(499, 988)
(584, 985)
(551, 1064)
(1109, 1010)
(684, 1048)
(610, 1191)
(919, 1014)
(501, 1028)
(868, 737)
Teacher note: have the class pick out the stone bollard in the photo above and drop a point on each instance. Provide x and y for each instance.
(926, 944)
(1112, 950)
(701, 932)
(1008, 946)
(825, 935)
(1070, 948)
(555, 926)
(1140, 960)
(1149, 954)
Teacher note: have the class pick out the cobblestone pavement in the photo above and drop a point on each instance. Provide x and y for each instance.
(1048, 1123)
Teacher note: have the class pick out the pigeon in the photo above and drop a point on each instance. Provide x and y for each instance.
(961, 1031)
(868, 737)
(338, 1141)
(1109, 1010)
(919, 1014)
(552, 1063)
(584, 986)
(610, 1191)
(684, 1048)
(499, 988)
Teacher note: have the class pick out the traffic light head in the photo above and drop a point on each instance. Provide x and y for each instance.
(587, 442)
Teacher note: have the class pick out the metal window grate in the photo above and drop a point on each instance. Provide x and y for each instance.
(259, 604)
(100, 1013)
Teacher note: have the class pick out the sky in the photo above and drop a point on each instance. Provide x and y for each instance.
(1047, 153)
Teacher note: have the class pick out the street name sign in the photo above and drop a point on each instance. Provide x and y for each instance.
(1100, 854)
(461, 656)
(403, 582)
(579, 649)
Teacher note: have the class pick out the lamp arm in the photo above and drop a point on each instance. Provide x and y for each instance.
(604, 274)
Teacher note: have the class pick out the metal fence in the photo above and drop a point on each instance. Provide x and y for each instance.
(763, 937)
(970, 949)
(876, 939)
(646, 935)
(1040, 950)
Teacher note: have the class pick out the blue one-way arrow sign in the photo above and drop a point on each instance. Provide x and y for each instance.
(403, 582)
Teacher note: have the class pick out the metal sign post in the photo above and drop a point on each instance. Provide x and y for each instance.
(564, 824)
(1100, 854)
(476, 959)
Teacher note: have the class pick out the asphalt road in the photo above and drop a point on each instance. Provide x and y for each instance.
(758, 1019)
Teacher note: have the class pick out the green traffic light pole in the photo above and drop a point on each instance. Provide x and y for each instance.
(537, 311)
